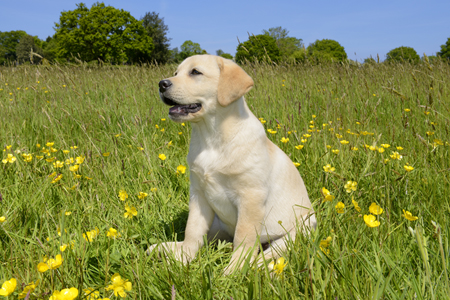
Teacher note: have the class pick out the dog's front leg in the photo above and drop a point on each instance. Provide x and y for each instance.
(199, 221)
(248, 228)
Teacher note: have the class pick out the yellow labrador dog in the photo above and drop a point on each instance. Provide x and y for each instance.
(243, 187)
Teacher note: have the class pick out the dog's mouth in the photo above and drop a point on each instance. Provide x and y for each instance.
(181, 109)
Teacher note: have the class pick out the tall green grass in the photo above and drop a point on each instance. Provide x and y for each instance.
(117, 110)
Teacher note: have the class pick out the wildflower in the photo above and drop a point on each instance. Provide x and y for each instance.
(271, 131)
(262, 120)
(8, 287)
(50, 264)
(39, 157)
(339, 136)
(91, 294)
(163, 119)
(355, 204)
(328, 168)
(142, 195)
(74, 147)
(79, 160)
(284, 140)
(385, 145)
(50, 144)
(381, 149)
(373, 148)
(162, 157)
(408, 168)
(396, 155)
(51, 159)
(407, 110)
(354, 148)
(344, 142)
(386, 160)
(69, 161)
(119, 286)
(157, 126)
(299, 147)
(340, 207)
(409, 216)
(430, 133)
(29, 288)
(303, 140)
(123, 195)
(74, 168)
(277, 266)
(130, 212)
(168, 144)
(65, 294)
(324, 244)
(118, 135)
(327, 195)
(153, 190)
(181, 169)
(306, 135)
(350, 186)
(68, 213)
(371, 221)
(112, 233)
(2, 219)
(375, 209)
(63, 247)
(335, 151)
(66, 151)
(58, 164)
(27, 157)
(57, 178)
(10, 159)
(426, 113)
(106, 154)
(296, 164)
(91, 235)
(53, 150)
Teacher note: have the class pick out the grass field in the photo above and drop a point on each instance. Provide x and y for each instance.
(82, 177)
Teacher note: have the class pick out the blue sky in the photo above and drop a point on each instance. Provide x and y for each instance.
(366, 28)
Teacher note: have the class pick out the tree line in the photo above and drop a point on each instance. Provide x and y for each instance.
(104, 34)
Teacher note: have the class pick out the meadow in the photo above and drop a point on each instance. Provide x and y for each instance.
(93, 172)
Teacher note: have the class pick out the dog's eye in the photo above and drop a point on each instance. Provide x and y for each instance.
(195, 72)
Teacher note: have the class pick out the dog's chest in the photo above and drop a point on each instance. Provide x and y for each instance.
(209, 178)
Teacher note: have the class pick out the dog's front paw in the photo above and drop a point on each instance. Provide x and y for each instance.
(174, 248)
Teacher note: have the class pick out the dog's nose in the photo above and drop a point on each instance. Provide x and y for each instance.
(164, 85)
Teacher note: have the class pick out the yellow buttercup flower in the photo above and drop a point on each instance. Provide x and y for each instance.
(50, 264)
(65, 294)
(409, 216)
(123, 195)
(344, 142)
(350, 186)
(396, 155)
(91, 235)
(181, 169)
(50, 144)
(153, 190)
(74, 168)
(284, 140)
(112, 233)
(371, 221)
(106, 154)
(340, 207)
(8, 287)
(375, 209)
(57, 178)
(327, 195)
(130, 212)
(328, 168)
(119, 286)
(324, 244)
(58, 164)
(2, 219)
(162, 157)
(299, 147)
(335, 151)
(142, 195)
(9, 159)
(91, 294)
(296, 164)
(29, 288)
(79, 160)
(355, 204)
(408, 168)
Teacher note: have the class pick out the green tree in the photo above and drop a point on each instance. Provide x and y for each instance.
(50, 49)
(445, 50)
(102, 33)
(402, 54)
(189, 48)
(326, 50)
(8, 44)
(157, 30)
(291, 48)
(223, 54)
(28, 51)
(260, 47)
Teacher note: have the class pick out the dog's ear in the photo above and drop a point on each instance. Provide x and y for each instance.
(233, 82)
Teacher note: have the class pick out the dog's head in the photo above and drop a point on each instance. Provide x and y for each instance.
(201, 84)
